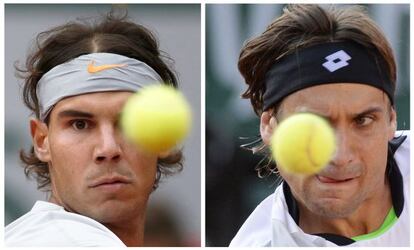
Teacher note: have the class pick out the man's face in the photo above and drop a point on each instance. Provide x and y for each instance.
(94, 170)
(364, 122)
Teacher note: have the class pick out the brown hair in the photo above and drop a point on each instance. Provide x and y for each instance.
(113, 34)
(301, 26)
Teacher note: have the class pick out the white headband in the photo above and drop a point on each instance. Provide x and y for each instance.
(96, 72)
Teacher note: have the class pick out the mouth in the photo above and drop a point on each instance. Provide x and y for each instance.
(333, 180)
(113, 182)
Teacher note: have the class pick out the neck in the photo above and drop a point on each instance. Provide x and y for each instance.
(129, 232)
(367, 218)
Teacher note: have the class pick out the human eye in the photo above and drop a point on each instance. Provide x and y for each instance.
(363, 121)
(80, 124)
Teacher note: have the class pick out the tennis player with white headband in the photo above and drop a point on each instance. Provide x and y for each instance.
(76, 84)
(95, 72)
(336, 63)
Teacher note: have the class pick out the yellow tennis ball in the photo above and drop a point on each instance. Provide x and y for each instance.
(303, 144)
(156, 118)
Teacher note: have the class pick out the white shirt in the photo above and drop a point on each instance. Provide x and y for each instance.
(270, 224)
(48, 224)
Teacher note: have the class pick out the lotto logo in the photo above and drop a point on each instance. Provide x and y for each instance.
(336, 61)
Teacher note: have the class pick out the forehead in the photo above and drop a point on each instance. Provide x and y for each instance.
(326, 98)
(99, 102)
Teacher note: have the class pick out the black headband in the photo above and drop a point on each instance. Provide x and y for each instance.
(336, 62)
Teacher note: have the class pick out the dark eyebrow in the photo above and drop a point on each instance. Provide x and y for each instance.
(74, 113)
(369, 111)
(355, 115)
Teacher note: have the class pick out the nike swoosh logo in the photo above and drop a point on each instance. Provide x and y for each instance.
(94, 69)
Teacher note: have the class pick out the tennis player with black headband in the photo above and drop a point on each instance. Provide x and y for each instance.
(338, 64)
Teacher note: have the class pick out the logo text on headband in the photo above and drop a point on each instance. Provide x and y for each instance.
(336, 61)
(94, 69)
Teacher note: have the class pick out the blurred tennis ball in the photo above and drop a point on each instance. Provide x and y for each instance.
(303, 144)
(156, 118)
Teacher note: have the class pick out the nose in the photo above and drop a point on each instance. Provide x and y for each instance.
(108, 148)
(345, 151)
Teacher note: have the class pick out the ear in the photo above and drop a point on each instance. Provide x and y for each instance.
(267, 126)
(40, 139)
(393, 124)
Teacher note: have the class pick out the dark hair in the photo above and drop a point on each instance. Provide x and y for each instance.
(112, 33)
(301, 26)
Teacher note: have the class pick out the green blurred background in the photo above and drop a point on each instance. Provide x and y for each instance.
(233, 189)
